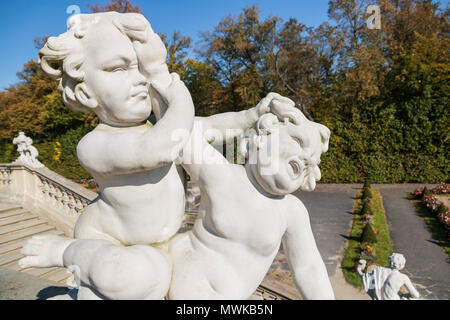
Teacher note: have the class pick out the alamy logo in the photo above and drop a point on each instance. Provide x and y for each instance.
(374, 20)
(72, 10)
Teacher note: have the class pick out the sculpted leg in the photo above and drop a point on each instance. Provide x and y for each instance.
(44, 251)
(116, 272)
(106, 271)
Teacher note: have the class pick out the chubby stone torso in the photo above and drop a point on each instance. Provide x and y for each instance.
(141, 207)
(237, 238)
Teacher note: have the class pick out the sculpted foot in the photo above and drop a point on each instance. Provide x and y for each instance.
(44, 251)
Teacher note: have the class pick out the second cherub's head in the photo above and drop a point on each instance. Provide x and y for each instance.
(97, 68)
(284, 148)
(397, 261)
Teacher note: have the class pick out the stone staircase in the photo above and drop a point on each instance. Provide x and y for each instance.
(17, 225)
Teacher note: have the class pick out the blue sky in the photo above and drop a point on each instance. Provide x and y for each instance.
(21, 21)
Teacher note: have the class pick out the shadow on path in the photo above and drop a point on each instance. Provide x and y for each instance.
(330, 208)
(52, 291)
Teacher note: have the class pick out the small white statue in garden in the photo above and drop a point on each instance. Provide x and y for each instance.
(28, 153)
(384, 283)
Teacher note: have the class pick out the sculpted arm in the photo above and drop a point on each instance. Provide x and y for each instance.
(412, 291)
(151, 53)
(232, 124)
(308, 268)
(203, 162)
(106, 151)
(360, 267)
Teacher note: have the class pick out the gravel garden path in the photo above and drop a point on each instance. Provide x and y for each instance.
(427, 264)
(330, 207)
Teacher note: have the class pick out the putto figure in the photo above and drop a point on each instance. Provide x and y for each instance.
(124, 242)
(384, 283)
(247, 211)
(141, 201)
(28, 153)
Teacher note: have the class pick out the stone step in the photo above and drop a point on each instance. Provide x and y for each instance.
(37, 272)
(17, 226)
(13, 213)
(58, 275)
(10, 257)
(20, 226)
(9, 207)
(22, 234)
(11, 246)
(18, 218)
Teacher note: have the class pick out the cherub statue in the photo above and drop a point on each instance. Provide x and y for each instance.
(114, 65)
(384, 283)
(244, 219)
(247, 211)
(28, 153)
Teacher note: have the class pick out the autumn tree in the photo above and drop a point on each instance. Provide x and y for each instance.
(237, 51)
(121, 6)
(382, 92)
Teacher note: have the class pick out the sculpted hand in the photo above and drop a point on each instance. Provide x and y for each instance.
(263, 106)
(362, 262)
(284, 107)
(176, 90)
(150, 49)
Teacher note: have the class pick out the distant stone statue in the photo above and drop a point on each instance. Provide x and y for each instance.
(28, 153)
(384, 283)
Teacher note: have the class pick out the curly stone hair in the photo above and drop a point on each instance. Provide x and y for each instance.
(269, 122)
(62, 57)
(397, 261)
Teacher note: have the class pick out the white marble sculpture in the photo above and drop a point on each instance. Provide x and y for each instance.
(28, 153)
(384, 283)
(247, 215)
(124, 243)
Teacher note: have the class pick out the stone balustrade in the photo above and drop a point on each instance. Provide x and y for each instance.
(53, 197)
(5, 178)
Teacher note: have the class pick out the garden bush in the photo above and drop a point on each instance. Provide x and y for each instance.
(366, 194)
(365, 208)
(368, 235)
(426, 192)
(434, 206)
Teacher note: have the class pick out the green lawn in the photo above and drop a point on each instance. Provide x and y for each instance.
(437, 230)
(383, 246)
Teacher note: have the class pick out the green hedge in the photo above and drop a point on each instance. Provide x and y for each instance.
(335, 166)
(66, 164)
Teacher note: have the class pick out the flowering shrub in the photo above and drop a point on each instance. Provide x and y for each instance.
(89, 183)
(431, 202)
(417, 194)
(368, 256)
(57, 148)
(368, 264)
(434, 206)
(367, 248)
(442, 188)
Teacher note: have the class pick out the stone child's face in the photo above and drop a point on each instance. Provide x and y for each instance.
(294, 160)
(113, 78)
